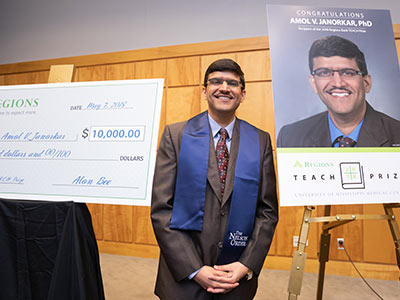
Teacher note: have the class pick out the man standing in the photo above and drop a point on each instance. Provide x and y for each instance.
(340, 78)
(214, 207)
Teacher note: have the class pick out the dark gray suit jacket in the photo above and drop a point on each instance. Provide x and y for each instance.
(183, 252)
(378, 130)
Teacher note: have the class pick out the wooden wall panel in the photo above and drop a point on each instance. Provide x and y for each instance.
(27, 78)
(202, 100)
(377, 236)
(92, 73)
(154, 69)
(117, 223)
(40, 77)
(183, 71)
(351, 232)
(255, 71)
(75, 76)
(96, 211)
(258, 107)
(120, 71)
(151, 69)
(196, 49)
(182, 103)
(142, 228)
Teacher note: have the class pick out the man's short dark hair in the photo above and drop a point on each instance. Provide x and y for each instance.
(336, 46)
(225, 65)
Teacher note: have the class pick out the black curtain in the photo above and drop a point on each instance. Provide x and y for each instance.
(48, 250)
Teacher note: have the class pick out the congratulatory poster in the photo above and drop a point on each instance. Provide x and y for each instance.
(85, 142)
(322, 88)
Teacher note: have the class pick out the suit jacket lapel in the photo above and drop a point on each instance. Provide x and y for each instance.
(372, 132)
(230, 176)
(322, 137)
(212, 173)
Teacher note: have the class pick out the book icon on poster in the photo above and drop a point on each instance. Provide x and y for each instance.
(352, 175)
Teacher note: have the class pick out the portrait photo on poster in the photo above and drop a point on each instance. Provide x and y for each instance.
(330, 41)
(335, 76)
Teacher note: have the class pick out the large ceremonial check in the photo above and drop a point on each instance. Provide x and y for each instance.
(87, 141)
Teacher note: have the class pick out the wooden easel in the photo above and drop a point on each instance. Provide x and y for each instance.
(61, 73)
(330, 222)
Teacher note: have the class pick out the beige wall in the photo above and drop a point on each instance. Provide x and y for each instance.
(127, 229)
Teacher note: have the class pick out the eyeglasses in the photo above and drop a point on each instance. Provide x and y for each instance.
(326, 73)
(219, 81)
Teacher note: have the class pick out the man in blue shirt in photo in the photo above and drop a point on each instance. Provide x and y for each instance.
(339, 76)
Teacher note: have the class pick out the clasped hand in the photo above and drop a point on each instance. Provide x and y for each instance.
(221, 279)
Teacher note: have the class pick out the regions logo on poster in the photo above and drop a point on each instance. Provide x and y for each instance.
(352, 175)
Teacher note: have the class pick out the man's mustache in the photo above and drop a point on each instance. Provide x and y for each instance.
(332, 89)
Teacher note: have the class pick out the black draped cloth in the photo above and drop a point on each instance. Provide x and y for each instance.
(48, 251)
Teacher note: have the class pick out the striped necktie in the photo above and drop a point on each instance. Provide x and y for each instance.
(222, 157)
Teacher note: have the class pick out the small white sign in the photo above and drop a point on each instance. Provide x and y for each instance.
(321, 176)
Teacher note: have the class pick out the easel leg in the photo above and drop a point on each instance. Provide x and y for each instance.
(323, 259)
(394, 229)
(299, 257)
(323, 255)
